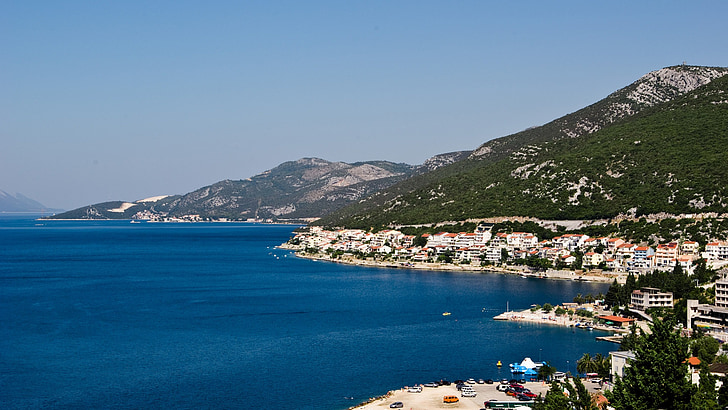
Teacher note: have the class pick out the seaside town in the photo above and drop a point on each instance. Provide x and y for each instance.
(569, 256)
(604, 256)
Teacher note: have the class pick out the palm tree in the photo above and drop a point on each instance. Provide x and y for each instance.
(603, 365)
(586, 364)
(545, 372)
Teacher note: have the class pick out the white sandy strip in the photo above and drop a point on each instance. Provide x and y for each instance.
(153, 199)
(123, 207)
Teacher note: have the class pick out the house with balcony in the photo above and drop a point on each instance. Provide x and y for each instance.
(665, 254)
(645, 298)
(689, 248)
(712, 319)
(483, 233)
(643, 257)
(612, 244)
(717, 250)
(625, 251)
(592, 259)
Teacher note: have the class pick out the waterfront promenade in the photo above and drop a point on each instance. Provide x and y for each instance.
(589, 276)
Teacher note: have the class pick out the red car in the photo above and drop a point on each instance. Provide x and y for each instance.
(529, 394)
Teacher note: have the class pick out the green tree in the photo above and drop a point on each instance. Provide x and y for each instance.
(586, 364)
(555, 399)
(705, 348)
(630, 285)
(613, 294)
(445, 257)
(546, 371)
(702, 273)
(723, 392)
(547, 307)
(419, 241)
(706, 397)
(656, 378)
(504, 255)
(578, 397)
(603, 365)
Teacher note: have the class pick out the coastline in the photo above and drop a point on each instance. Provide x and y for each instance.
(523, 271)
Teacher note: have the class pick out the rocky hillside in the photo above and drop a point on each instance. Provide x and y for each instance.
(307, 188)
(652, 89)
(658, 145)
(293, 191)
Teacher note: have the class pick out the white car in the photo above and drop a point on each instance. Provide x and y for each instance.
(469, 393)
(415, 389)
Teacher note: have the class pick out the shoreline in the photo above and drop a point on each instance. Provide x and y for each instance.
(513, 270)
(541, 317)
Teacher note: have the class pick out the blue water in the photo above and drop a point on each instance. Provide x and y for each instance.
(119, 315)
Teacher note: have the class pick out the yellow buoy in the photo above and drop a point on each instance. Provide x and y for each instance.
(499, 364)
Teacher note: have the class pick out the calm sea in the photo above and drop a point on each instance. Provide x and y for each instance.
(120, 315)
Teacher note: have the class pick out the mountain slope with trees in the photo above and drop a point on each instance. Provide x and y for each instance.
(665, 157)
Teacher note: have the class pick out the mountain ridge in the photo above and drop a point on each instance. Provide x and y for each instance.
(294, 191)
(306, 189)
(474, 187)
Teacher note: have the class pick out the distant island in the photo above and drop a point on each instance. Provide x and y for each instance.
(20, 203)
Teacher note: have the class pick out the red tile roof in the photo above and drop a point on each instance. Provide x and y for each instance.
(618, 319)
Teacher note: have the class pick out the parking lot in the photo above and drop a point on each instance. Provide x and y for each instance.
(432, 397)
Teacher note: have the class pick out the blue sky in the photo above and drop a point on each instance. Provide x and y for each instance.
(124, 100)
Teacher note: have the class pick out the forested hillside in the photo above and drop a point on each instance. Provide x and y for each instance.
(669, 157)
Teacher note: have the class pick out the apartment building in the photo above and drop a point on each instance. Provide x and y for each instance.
(645, 298)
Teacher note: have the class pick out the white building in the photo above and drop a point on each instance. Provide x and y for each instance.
(646, 298)
(620, 360)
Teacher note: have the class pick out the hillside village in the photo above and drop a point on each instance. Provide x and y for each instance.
(484, 247)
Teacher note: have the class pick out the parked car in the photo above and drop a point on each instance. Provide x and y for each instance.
(502, 387)
(431, 384)
(471, 381)
(450, 399)
(529, 394)
(481, 381)
(469, 393)
(415, 389)
(523, 397)
(488, 381)
(396, 405)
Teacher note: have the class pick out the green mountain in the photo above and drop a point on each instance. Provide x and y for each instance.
(658, 145)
